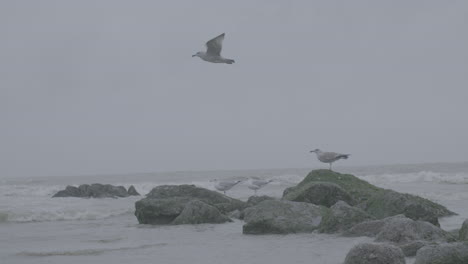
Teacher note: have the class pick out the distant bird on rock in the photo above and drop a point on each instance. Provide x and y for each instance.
(329, 157)
(224, 186)
(213, 51)
(256, 184)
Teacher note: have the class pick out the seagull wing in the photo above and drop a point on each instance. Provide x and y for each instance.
(332, 156)
(329, 156)
(215, 45)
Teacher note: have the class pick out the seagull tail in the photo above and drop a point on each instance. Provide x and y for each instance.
(228, 61)
(344, 156)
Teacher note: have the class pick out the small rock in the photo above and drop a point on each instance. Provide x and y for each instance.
(446, 253)
(237, 214)
(410, 248)
(463, 234)
(375, 253)
(95, 190)
(132, 191)
(404, 230)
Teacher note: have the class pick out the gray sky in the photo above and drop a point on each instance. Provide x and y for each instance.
(107, 86)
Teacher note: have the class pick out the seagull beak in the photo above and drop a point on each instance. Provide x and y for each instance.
(194, 55)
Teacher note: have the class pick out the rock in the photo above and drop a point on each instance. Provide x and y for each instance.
(70, 191)
(376, 201)
(198, 212)
(388, 203)
(95, 190)
(341, 217)
(237, 214)
(405, 233)
(369, 228)
(359, 190)
(446, 253)
(282, 217)
(404, 230)
(463, 233)
(222, 202)
(375, 253)
(132, 191)
(159, 211)
(319, 193)
(411, 235)
(254, 200)
(409, 249)
(177, 204)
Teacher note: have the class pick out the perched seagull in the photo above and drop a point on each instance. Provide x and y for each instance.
(224, 186)
(213, 51)
(329, 157)
(256, 184)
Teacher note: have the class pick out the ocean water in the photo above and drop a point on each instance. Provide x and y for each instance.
(34, 228)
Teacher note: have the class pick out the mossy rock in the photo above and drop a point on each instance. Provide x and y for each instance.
(359, 189)
(319, 193)
(376, 201)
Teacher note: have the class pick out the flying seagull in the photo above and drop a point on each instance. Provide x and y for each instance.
(224, 186)
(256, 184)
(329, 157)
(213, 51)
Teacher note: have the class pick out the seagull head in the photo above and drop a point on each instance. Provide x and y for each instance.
(198, 54)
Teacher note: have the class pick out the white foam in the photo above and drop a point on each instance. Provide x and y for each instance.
(422, 176)
(28, 209)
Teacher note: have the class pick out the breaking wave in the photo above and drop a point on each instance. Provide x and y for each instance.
(422, 176)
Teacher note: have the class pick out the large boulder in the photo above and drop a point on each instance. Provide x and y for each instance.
(222, 202)
(341, 217)
(463, 234)
(369, 228)
(319, 193)
(185, 204)
(389, 203)
(95, 190)
(159, 211)
(403, 232)
(446, 253)
(375, 253)
(282, 217)
(198, 212)
(376, 201)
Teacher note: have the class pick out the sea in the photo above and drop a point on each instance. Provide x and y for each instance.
(36, 228)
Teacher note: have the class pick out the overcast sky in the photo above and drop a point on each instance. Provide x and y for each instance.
(109, 86)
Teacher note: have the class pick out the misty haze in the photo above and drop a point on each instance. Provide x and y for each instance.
(204, 131)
